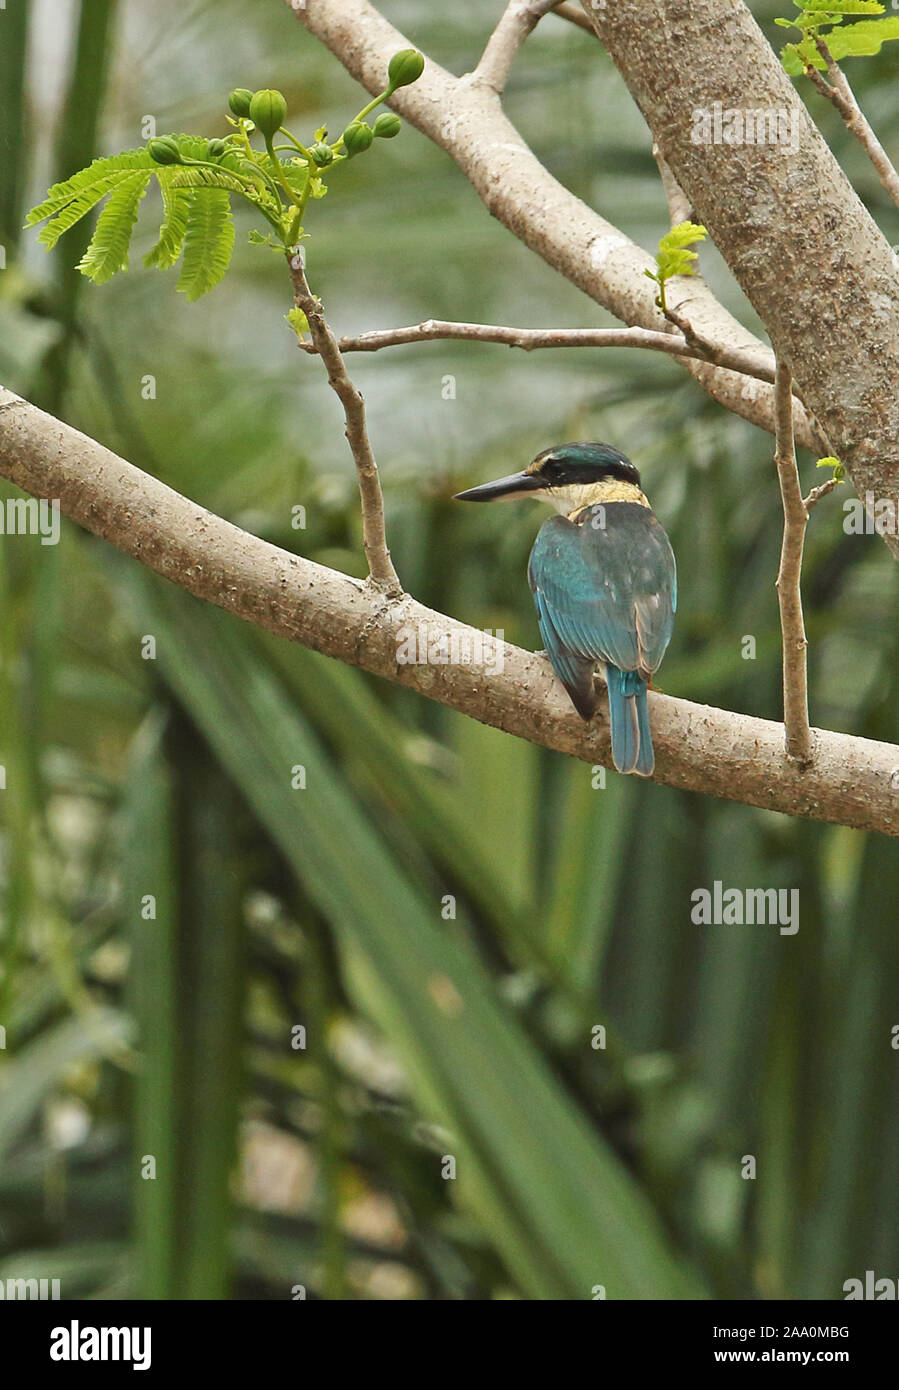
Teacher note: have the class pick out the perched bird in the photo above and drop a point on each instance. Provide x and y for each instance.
(604, 584)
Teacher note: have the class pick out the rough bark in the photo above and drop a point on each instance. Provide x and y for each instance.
(697, 747)
(798, 239)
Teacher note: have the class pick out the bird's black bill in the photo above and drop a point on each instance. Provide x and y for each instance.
(515, 485)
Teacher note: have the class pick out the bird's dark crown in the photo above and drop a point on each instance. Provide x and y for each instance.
(582, 463)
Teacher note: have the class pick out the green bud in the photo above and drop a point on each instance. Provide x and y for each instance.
(164, 150)
(405, 67)
(268, 111)
(239, 101)
(387, 125)
(356, 138)
(322, 154)
(216, 148)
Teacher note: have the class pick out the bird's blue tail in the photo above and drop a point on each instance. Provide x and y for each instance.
(629, 718)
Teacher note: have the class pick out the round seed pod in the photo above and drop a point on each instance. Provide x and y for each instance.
(405, 67)
(357, 138)
(239, 101)
(268, 111)
(164, 150)
(387, 125)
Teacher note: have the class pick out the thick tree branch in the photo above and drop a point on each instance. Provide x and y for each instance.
(841, 95)
(374, 538)
(697, 747)
(797, 736)
(464, 117)
(808, 255)
(519, 19)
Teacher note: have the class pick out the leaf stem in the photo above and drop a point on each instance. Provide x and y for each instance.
(291, 196)
(296, 144)
(376, 101)
(255, 202)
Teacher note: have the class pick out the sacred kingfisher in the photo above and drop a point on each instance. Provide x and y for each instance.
(604, 584)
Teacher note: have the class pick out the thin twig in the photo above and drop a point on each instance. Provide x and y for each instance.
(822, 490)
(797, 734)
(574, 16)
(680, 209)
(519, 19)
(685, 344)
(374, 537)
(531, 339)
(841, 95)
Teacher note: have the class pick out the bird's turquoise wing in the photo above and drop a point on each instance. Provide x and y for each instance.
(605, 589)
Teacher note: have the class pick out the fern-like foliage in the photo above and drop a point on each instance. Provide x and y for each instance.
(208, 242)
(176, 210)
(198, 178)
(108, 249)
(66, 203)
(827, 20)
(196, 210)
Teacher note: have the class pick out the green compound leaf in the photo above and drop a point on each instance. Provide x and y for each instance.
(824, 8)
(254, 192)
(675, 255)
(208, 178)
(108, 248)
(811, 23)
(796, 57)
(176, 204)
(863, 39)
(208, 242)
(193, 146)
(87, 187)
(79, 206)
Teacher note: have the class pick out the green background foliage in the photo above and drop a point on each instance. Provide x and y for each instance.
(279, 907)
